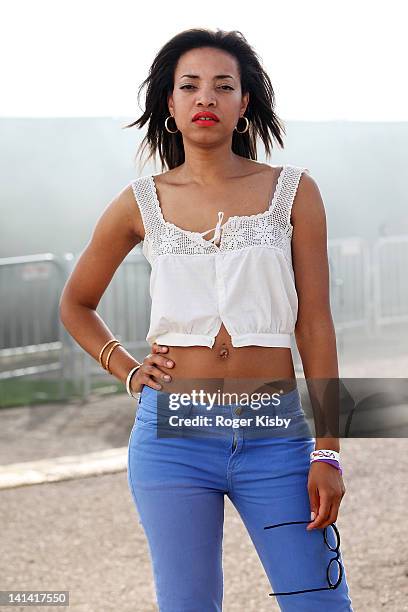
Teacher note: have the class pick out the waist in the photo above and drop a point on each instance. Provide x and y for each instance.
(230, 385)
(262, 399)
(246, 367)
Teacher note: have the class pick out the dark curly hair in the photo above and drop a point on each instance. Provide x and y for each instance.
(160, 83)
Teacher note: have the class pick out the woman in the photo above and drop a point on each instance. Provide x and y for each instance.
(224, 308)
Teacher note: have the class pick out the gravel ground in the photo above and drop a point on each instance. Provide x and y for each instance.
(53, 430)
(84, 535)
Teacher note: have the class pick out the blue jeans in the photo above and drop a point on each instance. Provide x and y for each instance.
(178, 485)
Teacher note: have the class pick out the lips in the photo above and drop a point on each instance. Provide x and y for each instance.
(205, 114)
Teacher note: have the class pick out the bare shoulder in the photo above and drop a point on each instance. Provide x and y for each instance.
(113, 237)
(132, 210)
(169, 177)
(267, 174)
(263, 169)
(118, 224)
(308, 206)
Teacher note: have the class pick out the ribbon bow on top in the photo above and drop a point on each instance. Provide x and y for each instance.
(217, 228)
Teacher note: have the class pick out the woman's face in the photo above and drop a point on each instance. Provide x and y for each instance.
(207, 79)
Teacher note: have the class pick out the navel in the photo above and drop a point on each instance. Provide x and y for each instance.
(224, 352)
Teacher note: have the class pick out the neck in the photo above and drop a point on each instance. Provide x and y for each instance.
(210, 167)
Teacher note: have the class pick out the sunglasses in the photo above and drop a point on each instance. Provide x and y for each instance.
(336, 559)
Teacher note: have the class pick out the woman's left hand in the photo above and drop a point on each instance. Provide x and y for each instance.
(326, 490)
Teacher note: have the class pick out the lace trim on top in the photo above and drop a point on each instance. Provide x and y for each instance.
(270, 228)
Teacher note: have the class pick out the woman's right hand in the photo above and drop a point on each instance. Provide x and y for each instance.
(149, 369)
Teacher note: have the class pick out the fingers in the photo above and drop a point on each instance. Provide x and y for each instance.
(314, 505)
(151, 367)
(163, 361)
(159, 348)
(326, 490)
(327, 512)
(333, 513)
(152, 371)
(323, 513)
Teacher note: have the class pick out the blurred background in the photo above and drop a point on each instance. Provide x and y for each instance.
(70, 84)
(60, 173)
(70, 76)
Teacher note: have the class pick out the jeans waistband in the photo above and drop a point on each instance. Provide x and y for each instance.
(163, 402)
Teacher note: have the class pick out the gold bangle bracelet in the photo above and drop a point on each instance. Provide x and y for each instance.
(109, 354)
(103, 348)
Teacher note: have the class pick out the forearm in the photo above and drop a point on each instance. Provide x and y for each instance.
(318, 352)
(91, 333)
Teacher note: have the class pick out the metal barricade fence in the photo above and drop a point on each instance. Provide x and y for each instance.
(390, 281)
(30, 340)
(350, 288)
(36, 351)
(368, 290)
(350, 299)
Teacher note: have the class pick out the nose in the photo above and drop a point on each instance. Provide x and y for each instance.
(206, 97)
(205, 102)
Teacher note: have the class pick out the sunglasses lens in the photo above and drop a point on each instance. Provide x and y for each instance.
(331, 538)
(334, 572)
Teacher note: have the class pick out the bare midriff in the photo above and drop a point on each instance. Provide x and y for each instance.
(229, 369)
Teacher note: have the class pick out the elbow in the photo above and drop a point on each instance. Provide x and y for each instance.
(317, 328)
(66, 308)
(63, 311)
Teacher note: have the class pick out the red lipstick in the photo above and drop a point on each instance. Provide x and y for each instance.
(205, 118)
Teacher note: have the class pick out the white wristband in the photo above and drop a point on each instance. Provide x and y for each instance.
(129, 378)
(324, 454)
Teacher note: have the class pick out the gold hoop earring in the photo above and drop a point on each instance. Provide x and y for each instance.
(165, 124)
(247, 125)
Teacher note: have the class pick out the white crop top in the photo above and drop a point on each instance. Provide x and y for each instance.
(242, 277)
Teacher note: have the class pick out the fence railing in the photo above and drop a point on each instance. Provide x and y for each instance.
(390, 280)
(368, 290)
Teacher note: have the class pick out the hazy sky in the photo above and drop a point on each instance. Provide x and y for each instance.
(327, 61)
